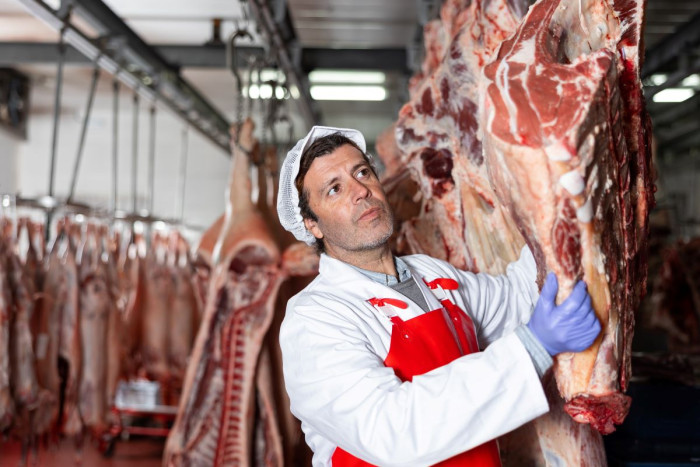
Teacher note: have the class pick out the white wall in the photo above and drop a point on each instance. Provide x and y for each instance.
(8, 162)
(207, 167)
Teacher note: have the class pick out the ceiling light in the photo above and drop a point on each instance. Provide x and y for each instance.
(264, 91)
(658, 79)
(348, 93)
(673, 95)
(691, 81)
(359, 77)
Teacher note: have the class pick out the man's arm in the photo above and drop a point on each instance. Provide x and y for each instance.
(341, 388)
(499, 304)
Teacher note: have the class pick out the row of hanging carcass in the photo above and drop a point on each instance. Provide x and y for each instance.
(83, 312)
(99, 307)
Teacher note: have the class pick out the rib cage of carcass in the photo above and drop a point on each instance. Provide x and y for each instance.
(232, 411)
(534, 131)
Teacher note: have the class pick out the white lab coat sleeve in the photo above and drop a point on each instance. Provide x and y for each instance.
(499, 304)
(339, 388)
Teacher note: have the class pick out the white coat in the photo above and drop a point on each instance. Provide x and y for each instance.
(334, 344)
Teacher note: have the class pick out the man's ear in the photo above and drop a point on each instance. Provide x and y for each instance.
(312, 226)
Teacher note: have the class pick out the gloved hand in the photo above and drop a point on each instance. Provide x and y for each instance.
(569, 327)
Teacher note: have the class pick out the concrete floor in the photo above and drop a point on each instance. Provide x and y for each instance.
(136, 452)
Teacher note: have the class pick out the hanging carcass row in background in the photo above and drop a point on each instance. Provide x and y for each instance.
(70, 317)
(534, 131)
(230, 412)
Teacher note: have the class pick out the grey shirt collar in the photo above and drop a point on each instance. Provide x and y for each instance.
(401, 269)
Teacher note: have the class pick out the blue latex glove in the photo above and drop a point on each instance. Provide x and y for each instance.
(569, 327)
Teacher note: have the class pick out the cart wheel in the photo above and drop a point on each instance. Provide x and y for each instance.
(107, 447)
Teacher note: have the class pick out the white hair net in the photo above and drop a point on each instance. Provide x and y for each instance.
(288, 198)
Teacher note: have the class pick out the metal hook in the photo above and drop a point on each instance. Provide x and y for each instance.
(233, 66)
(83, 129)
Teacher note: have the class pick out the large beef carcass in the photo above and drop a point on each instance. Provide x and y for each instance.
(675, 300)
(216, 419)
(535, 131)
(567, 149)
(460, 219)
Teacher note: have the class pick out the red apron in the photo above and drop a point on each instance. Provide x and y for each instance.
(422, 344)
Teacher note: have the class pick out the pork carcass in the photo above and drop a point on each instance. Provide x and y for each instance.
(158, 291)
(535, 131)
(96, 305)
(70, 345)
(47, 323)
(132, 275)
(184, 316)
(7, 407)
(215, 424)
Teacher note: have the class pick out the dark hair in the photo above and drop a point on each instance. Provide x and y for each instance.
(320, 147)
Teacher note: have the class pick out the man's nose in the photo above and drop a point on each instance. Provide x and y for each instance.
(359, 191)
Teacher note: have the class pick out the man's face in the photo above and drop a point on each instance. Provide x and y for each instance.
(347, 198)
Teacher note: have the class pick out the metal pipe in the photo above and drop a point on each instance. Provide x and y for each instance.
(83, 132)
(169, 86)
(180, 207)
(135, 154)
(115, 143)
(265, 20)
(152, 160)
(56, 112)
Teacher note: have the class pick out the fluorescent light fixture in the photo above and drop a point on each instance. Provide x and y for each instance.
(264, 92)
(658, 79)
(347, 77)
(294, 91)
(269, 74)
(691, 81)
(673, 95)
(55, 4)
(348, 93)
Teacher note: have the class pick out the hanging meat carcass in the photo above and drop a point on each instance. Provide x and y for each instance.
(184, 316)
(7, 406)
(132, 275)
(29, 397)
(539, 138)
(157, 299)
(573, 168)
(96, 307)
(216, 419)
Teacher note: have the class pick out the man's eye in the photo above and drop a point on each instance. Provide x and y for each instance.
(363, 172)
(333, 190)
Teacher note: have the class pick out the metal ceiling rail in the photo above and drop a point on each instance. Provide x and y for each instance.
(214, 56)
(137, 65)
(673, 46)
(266, 21)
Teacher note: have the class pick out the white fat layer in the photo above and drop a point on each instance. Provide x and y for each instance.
(573, 182)
(526, 52)
(585, 212)
(557, 152)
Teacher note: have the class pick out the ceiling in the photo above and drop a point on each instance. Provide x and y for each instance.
(328, 24)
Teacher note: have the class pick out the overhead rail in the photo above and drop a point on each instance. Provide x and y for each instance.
(269, 25)
(140, 67)
(214, 56)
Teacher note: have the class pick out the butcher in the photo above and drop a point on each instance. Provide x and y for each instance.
(407, 360)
